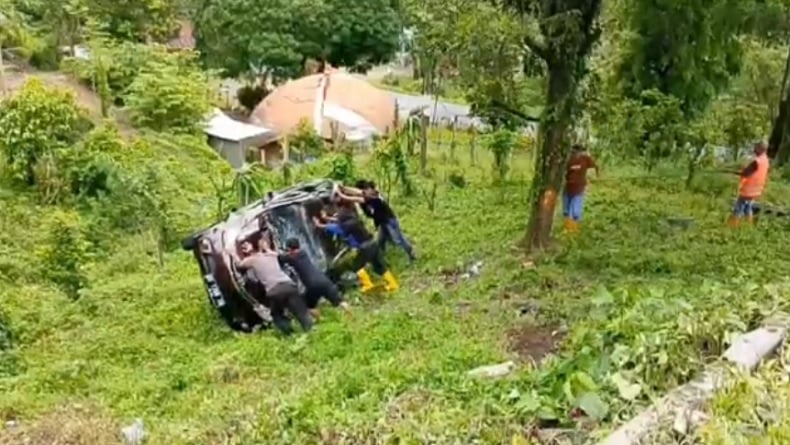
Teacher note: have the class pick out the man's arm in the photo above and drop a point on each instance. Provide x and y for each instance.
(749, 169)
(318, 223)
(366, 210)
(245, 263)
(355, 199)
(285, 259)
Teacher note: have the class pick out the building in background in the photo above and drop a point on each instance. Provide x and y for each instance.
(238, 142)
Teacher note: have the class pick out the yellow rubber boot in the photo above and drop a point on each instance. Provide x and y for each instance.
(733, 221)
(391, 283)
(364, 280)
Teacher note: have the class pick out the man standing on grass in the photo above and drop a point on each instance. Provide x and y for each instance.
(753, 179)
(317, 285)
(352, 230)
(281, 291)
(378, 209)
(575, 185)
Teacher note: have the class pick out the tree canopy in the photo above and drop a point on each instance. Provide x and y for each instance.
(276, 38)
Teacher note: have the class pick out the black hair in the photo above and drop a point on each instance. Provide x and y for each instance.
(362, 184)
(577, 147)
(292, 243)
(313, 207)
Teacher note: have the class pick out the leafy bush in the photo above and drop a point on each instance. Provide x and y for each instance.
(250, 96)
(122, 61)
(66, 253)
(35, 122)
(166, 97)
(305, 142)
(501, 144)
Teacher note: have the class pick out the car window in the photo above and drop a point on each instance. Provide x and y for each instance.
(291, 222)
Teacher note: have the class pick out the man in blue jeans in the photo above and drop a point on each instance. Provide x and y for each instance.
(575, 185)
(377, 209)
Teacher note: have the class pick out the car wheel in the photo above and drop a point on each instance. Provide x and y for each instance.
(189, 243)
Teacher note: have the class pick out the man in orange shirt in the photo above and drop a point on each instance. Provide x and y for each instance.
(752, 183)
(575, 184)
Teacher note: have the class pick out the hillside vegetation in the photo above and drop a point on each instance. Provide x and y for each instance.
(104, 319)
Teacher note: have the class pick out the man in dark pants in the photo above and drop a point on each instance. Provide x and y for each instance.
(379, 210)
(353, 231)
(316, 284)
(281, 292)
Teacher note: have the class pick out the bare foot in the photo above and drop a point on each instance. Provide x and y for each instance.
(315, 314)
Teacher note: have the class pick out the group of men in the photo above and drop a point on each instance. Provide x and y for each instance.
(752, 182)
(344, 223)
(282, 293)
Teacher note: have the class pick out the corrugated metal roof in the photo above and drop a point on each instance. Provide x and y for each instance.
(221, 126)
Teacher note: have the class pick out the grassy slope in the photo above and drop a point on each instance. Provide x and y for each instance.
(142, 342)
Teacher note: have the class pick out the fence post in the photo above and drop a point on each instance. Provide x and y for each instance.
(424, 124)
(472, 142)
(453, 128)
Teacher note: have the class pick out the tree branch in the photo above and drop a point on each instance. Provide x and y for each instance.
(591, 26)
(534, 45)
(499, 104)
(589, 40)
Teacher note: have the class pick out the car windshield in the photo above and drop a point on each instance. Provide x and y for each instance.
(290, 222)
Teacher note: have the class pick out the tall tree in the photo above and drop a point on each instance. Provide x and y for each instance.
(689, 50)
(275, 38)
(562, 33)
(130, 20)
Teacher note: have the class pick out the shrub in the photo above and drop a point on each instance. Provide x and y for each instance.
(167, 97)
(305, 142)
(34, 122)
(66, 253)
(250, 96)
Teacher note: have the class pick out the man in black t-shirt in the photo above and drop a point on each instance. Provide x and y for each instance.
(378, 209)
(316, 283)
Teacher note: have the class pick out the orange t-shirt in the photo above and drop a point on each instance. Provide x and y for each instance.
(576, 175)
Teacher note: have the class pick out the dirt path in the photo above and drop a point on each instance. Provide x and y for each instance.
(16, 76)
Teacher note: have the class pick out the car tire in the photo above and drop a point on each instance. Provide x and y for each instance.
(189, 243)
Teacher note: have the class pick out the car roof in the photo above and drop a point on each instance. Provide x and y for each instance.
(246, 219)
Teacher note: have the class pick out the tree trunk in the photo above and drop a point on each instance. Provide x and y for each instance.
(550, 162)
(782, 117)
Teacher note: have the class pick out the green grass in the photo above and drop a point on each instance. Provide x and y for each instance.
(635, 295)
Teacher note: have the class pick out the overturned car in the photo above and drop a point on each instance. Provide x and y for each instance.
(281, 215)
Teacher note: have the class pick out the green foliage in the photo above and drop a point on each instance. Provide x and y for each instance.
(501, 143)
(305, 142)
(121, 62)
(66, 253)
(392, 166)
(35, 122)
(166, 97)
(742, 125)
(490, 46)
(760, 81)
(250, 96)
(8, 362)
(342, 33)
(688, 50)
(342, 167)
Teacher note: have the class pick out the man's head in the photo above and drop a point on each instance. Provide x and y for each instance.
(577, 148)
(292, 244)
(246, 247)
(760, 148)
